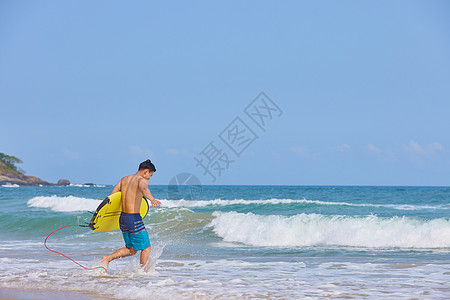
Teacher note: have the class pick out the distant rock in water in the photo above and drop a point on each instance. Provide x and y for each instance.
(63, 182)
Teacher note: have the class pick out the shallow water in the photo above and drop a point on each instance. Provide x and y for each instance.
(234, 242)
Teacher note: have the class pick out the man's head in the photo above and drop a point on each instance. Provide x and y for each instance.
(147, 168)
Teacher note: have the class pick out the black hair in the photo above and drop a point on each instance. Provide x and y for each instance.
(147, 165)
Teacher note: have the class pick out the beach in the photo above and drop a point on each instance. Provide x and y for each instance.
(234, 242)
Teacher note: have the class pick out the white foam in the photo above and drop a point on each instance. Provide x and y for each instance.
(64, 204)
(234, 279)
(87, 185)
(414, 207)
(316, 229)
(220, 202)
(9, 185)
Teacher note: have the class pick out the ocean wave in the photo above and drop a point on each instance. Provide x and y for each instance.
(10, 185)
(73, 203)
(315, 229)
(88, 185)
(64, 204)
(275, 201)
(414, 206)
(220, 202)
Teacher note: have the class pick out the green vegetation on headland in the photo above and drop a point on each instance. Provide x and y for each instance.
(11, 174)
(8, 164)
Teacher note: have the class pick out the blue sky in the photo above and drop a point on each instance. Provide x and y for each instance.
(89, 89)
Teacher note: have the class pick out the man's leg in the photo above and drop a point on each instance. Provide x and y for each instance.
(145, 254)
(122, 252)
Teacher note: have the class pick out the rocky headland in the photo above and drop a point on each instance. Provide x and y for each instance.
(12, 175)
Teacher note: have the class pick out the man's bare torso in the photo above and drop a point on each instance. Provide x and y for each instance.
(132, 193)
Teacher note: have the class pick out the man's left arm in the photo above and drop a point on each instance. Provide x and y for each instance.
(143, 185)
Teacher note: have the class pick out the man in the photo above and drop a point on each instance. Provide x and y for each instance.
(133, 188)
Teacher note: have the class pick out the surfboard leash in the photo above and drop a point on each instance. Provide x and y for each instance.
(45, 244)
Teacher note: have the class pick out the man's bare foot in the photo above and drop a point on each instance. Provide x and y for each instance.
(105, 262)
(146, 267)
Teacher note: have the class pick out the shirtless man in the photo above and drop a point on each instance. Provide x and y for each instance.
(133, 188)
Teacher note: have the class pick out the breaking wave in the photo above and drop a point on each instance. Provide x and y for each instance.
(316, 229)
(220, 202)
(64, 204)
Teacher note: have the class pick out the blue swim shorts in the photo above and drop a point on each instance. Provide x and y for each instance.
(133, 230)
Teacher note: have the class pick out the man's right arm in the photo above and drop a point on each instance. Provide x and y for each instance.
(117, 187)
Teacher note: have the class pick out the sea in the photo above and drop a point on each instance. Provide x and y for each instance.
(234, 242)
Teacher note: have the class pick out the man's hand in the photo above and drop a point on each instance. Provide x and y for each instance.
(155, 203)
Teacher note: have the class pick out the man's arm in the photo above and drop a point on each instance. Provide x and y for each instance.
(143, 186)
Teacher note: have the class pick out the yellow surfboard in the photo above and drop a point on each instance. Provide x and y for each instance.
(107, 214)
